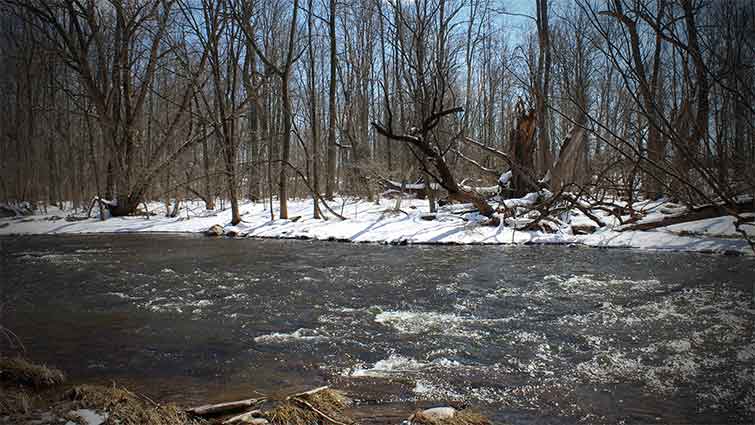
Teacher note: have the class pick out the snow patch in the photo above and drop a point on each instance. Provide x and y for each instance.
(378, 222)
(90, 417)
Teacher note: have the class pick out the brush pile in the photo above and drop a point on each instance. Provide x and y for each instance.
(20, 381)
(30, 393)
(16, 370)
(321, 405)
(121, 406)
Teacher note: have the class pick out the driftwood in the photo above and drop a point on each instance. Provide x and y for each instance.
(227, 407)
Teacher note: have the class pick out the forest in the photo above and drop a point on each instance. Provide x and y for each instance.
(588, 105)
(492, 124)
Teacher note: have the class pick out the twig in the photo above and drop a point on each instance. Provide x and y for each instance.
(309, 392)
(316, 410)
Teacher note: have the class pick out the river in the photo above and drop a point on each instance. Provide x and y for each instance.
(526, 334)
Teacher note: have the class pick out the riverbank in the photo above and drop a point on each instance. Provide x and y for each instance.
(36, 394)
(379, 222)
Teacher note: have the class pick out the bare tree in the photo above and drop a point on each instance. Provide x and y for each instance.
(98, 42)
(283, 72)
(330, 181)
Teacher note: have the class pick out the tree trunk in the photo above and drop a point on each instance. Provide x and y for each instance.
(209, 195)
(285, 147)
(542, 82)
(313, 116)
(522, 148)
(330, 181)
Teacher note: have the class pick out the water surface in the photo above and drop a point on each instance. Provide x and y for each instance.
(541, 334)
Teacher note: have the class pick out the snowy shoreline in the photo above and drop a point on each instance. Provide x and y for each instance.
(370, 222)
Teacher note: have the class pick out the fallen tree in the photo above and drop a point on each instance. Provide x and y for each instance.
(417, 189)
(430, 158)
(692, 214)
(520, 158)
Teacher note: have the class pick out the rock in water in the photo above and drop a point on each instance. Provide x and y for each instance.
(447, 415)
(429, 416)
(439, 413)
(216, 230)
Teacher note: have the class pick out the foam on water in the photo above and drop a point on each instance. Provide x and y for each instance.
(747, 353)
(92, 251)
(485, 337)
(423, 322)
(403, 366)
(395, 364)
(426, 389)
(122, 296)
(301, 334)
(51, 258)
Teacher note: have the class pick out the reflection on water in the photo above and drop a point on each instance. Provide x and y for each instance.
(528, 334)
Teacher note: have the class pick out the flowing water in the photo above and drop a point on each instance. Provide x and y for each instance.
(528, 334)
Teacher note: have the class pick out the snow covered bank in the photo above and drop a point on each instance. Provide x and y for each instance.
(379, 223)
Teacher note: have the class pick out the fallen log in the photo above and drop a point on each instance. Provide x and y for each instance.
(575, 202)
(693, 214)
(418, 189)
(224, 408)
(486, 191)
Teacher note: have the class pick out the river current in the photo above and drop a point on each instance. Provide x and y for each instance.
(526, 334)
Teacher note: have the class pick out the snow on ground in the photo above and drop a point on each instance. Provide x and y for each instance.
(89, 417)
(717, 226)
(379, 223)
